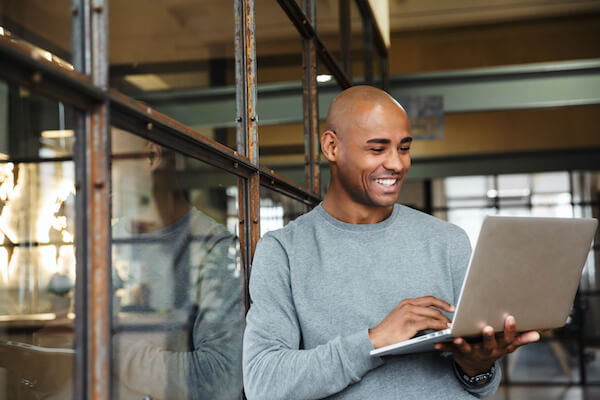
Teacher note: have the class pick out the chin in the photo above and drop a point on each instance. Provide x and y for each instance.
(385, 202)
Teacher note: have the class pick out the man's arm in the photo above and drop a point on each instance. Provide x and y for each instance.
(212, 369)
(275, 366)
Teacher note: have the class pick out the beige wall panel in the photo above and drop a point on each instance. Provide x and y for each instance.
(480, 133)
(522, 130)
(493, 45)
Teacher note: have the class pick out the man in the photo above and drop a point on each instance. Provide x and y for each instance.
(178, 287)
(360, 272)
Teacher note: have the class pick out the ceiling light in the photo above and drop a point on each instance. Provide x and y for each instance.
(58, 133)
(324, 78)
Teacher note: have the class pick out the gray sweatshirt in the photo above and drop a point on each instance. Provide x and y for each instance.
(319, 284)
(183, 339)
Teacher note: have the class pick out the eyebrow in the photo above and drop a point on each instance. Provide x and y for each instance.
(388, 141)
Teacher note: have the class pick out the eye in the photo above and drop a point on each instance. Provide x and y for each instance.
(404, 148)
(377, 149)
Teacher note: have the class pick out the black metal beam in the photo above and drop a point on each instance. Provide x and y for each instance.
(45, 77)
(345, 37)
(367, 15)
(301, 22)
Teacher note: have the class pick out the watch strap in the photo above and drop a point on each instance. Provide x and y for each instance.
(477, 380)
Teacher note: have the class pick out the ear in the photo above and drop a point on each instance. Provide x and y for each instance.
(155, 156)
(330, 145)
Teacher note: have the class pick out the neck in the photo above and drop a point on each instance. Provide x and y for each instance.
(172, 206)
(167, 208)
(341, 207)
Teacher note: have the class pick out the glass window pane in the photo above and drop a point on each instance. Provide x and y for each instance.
(33, 127)
(468, 186)
(513, 190)
(277, 210)
(43, 25)
(586, 186)
(557, 210)
(514, 184)
(279, 45)
(328, 28)
(183, 66)
(470, 220)
(551, 182)
(281, 147)
(177, 283)
(280, 94)
(37, 249)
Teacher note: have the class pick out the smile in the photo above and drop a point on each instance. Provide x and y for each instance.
(386, 182)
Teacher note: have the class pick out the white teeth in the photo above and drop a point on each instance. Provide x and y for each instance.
(386, 182)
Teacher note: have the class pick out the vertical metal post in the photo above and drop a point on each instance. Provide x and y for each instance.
(428, 196)
(247, 127)
(580, 306)
(345, 37)
(98, 214)
(368, 48)
(384, 63)
(310, 106)
(80, 48)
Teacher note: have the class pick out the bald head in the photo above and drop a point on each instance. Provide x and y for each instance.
(352, 103)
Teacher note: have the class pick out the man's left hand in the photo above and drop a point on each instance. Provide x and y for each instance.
(478, 358)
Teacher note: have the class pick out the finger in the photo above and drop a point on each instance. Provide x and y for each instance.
(462, 345)
(510, 329)
(428, 323)
(489, 339)
(449, 347)
(526, 338)
(427, 312)
(430, 301)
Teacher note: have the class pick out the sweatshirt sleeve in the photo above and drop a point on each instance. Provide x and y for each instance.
(212, 367)
(459, 256)
(274, 365)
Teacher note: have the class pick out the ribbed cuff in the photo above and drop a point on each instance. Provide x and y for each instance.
(356, 350)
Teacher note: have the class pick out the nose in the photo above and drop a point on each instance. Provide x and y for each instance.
(397, 162)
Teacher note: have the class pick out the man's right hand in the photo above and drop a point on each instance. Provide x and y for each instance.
(410, 317)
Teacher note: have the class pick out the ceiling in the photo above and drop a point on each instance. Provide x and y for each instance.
(192, 32)
(143, 31)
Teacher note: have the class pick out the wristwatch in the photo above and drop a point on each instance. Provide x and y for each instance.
(477, 380)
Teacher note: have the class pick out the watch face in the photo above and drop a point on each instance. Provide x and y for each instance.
(479, 379)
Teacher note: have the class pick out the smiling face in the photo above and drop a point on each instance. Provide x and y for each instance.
(369, 154)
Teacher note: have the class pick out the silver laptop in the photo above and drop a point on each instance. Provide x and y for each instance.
(528, 267)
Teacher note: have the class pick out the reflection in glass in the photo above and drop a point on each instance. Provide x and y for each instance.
(37, 248)
(183, 66)
(32, 126)
(44, 25)
(176, 276)
(277, 210)
(189, 49)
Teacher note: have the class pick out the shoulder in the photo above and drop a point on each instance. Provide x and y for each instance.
(301, 226)
(201, 223)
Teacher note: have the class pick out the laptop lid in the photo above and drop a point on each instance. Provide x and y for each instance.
(528, 267)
